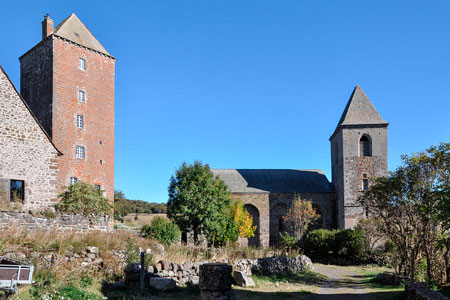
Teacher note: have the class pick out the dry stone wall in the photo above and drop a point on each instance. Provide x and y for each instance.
(38, 221)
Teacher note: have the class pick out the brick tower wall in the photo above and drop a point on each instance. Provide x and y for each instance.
(50, 81)
(97, 136)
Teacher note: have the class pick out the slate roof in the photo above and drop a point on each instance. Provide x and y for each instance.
(274, 180)
(360, 111)
(74, 30)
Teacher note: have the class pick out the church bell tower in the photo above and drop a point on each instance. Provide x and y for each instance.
(358, 153)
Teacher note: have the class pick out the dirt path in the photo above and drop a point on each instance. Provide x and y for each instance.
(343, 284)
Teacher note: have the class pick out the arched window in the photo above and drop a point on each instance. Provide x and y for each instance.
(365, 147)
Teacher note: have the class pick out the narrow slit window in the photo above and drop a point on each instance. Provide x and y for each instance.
(81, 96)
(17, 191)
(365, 182)
(80, 121)
(80, 152)
(82, 64)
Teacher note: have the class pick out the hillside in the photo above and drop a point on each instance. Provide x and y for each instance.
(123, 206)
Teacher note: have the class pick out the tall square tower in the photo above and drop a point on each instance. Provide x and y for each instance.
(358, 153)
(67, 79)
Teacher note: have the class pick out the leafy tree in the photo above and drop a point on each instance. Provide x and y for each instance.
(124, 206)
(162, 230)
(242, 219)
(299, 216)
(411, 202)
(371, 230)
(83, 198)
(198, 201)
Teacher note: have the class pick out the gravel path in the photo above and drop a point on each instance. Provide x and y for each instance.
(342, 284)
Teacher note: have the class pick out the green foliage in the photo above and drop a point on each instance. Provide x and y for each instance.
(198, 202)
(162, 230)
(389, 246)
(350, 243)
(318, 243)
(132, 253)
(288, 241)
(124, 206)
(83, 198)
(347, 243)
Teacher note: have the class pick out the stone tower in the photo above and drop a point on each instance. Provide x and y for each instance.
(358, 152)
(67, 79)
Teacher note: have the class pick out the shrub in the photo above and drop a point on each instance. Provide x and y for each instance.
(350, 244)
(347, 243)
(83, 198)
(389, 247)
(318, 243)
(162, 230)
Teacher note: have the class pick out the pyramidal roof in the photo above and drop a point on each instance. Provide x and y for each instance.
(74, 30)
(360, 111)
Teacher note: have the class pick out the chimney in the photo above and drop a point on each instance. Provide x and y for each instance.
(47, 26)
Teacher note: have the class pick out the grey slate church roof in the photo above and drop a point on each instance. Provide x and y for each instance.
(360, 111)
(74, 30)
(274, 180)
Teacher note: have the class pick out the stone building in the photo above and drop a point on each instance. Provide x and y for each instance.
(67, 80)
(358, 153)
(28, 158)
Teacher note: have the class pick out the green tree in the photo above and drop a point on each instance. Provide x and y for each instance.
(412, 204)
(198, 202)
(162, 230)
(83, 198)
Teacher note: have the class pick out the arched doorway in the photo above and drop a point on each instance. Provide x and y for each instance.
(276, 222)
(254, 212)
(317, 224)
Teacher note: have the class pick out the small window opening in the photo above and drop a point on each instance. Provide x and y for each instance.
(82, 64)
(101, 162)
(365, 182)
(80, 121)
(81, 96)
(97, 186)
(80, 152)
(364, 146)
(17, 190)
(73, 180)
(280, 224)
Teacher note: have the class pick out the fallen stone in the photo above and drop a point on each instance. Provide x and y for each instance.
(162, 284)
(242, 279)
(93, 250)
(132, 268)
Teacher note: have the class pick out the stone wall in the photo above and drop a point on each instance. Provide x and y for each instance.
(13, 219)
(260, 202)
(26, 151)
(419, 291)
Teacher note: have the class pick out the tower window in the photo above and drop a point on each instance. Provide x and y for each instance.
(82, 64)
(73, 180)
(17, 190)
(365, 148)
(97, 186)
(365, 182)
(81, 96)
(80, 121)
(80, 152)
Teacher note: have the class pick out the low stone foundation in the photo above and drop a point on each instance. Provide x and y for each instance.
(58, 222)
(419, 291)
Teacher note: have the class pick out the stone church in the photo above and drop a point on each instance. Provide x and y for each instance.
(60, 128)
(358, 152)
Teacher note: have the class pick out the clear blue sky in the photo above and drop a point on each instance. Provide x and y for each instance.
(253, 84)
